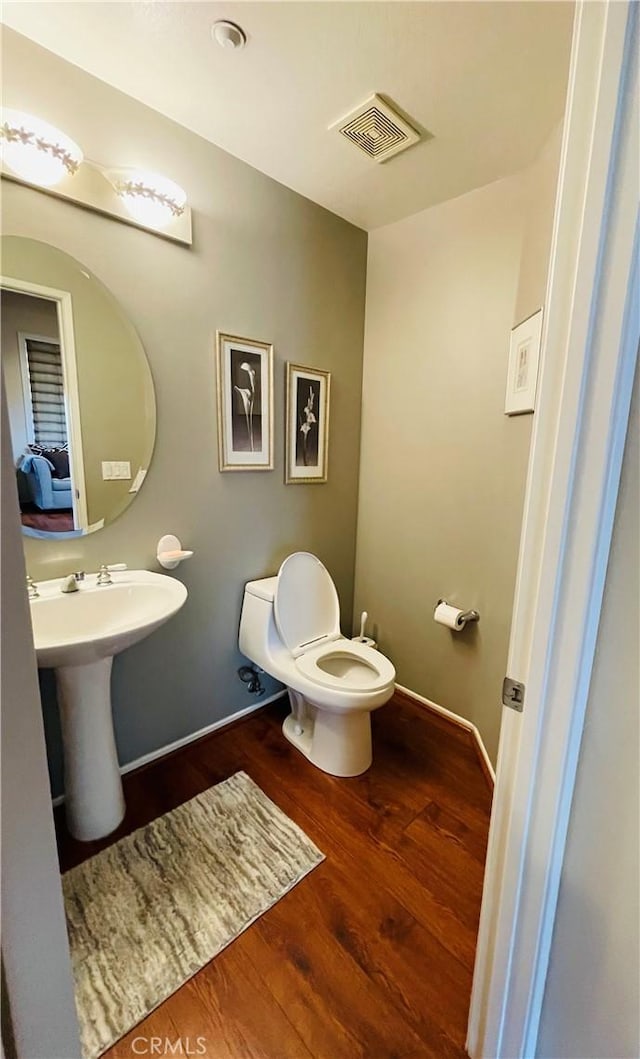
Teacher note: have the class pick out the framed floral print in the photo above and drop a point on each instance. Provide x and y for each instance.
(245, 404)
(307, 427)
(522, 374)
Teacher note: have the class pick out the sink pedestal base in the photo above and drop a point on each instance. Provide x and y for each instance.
(94, 802)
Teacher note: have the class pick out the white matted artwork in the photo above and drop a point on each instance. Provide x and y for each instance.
(307, 433)
(245, 404)
(522, 375)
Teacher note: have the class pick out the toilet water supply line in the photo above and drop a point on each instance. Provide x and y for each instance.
(250, 675)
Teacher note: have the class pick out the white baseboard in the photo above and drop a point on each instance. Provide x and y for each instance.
(162, 751)
(455, 718)
(201, 732)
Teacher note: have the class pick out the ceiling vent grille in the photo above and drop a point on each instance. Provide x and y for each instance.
(377, 130)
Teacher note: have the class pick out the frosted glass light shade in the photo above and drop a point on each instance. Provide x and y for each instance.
(150, 198)
(35, 150)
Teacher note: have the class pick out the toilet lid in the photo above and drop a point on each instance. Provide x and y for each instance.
(306, 605)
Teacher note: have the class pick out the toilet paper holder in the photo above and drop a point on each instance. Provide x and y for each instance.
(465, 617)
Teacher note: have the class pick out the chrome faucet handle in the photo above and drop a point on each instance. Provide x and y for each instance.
(32, 588)
(104, 577)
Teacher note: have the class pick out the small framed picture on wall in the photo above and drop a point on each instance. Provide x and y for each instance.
(245, 404)
(522, 375)
(307, 431)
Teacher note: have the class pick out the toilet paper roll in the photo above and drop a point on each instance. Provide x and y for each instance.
(366, 640)
(450, 616)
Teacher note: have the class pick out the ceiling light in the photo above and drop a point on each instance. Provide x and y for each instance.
(35, 150)
(228, 35)
(150, 198)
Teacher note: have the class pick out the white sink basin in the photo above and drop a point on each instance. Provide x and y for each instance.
(78, 633)
(71, 629)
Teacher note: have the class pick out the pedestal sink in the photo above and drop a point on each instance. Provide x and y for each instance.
(77, 634)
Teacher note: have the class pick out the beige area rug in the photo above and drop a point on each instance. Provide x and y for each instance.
(147, 913)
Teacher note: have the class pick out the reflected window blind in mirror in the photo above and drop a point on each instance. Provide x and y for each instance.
(46, 392)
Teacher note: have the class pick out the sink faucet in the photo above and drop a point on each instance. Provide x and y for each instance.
(104, 577)
(32, 588)
(70, 582)
(104, 574)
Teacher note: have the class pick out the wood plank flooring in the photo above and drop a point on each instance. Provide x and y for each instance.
(372, 954)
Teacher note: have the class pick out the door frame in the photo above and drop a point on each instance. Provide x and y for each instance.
(589, 353)
(64, 311)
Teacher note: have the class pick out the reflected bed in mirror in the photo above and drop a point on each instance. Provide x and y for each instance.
(79, 392)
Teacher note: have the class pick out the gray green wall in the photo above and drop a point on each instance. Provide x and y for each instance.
(265, 263)
(443, 469)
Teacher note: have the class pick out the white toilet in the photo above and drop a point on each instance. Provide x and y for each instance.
(290, 627)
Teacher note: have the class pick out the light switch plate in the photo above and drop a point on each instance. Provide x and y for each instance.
(122, 469)
(115, 469)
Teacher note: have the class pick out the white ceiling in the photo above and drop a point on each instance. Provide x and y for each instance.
(486, 79)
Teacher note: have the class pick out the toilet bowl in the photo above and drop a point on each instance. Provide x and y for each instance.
(290, 627)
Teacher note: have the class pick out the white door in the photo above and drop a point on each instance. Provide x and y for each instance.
(590, 347)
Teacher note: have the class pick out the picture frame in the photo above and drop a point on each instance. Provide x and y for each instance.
(522, 373)
(245, 403)
(307, 425)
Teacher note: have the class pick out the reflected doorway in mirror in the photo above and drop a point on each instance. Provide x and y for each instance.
(40, 378)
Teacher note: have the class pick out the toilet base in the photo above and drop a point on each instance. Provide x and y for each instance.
(337, 743)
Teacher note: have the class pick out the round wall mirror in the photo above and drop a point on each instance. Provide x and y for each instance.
(79, 392)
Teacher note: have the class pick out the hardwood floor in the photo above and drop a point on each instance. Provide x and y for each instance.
(372, 954)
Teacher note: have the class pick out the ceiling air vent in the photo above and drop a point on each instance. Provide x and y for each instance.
(377, 130)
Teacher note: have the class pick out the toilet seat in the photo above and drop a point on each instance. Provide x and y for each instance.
(346, 666)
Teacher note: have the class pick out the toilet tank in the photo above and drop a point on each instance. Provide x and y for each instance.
(258, 636)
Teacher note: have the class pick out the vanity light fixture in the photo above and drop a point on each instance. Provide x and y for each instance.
(36, 150)
(35, 153)
(150, 198)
